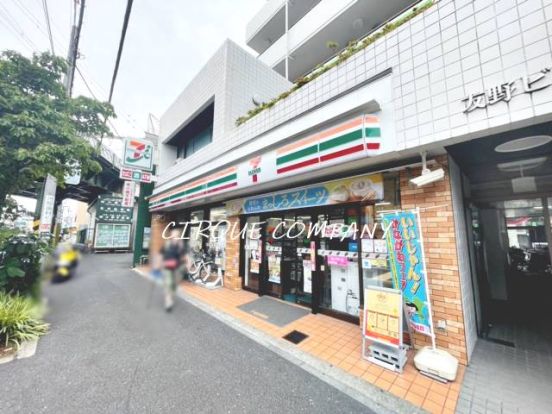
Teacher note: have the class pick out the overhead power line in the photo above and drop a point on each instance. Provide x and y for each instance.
(120, 51)
(47, 17)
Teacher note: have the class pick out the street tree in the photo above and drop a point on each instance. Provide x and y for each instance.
(42, 130)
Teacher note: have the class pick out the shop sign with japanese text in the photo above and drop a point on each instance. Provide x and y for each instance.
(135, 175)
(408, 270)
(359, 188)
(505, 91)
(128, 194)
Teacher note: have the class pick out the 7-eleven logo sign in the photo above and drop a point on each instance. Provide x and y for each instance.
(138, 154)
(254, 168)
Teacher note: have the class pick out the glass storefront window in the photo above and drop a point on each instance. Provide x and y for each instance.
(340, 289)
(253, 256)
(273, 248)
(375, 263)
(196, 216)
(217, 236)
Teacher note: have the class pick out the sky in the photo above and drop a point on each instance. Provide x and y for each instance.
(167, 43)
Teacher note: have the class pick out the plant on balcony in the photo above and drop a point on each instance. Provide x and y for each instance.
(353, 48)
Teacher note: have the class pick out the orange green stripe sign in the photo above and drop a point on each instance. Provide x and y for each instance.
(211, 184)
(351, 139)
(345, 141)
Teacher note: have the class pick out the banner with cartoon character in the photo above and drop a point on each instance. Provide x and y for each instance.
(407, 263)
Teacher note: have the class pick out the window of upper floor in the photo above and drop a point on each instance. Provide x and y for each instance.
(196, 134)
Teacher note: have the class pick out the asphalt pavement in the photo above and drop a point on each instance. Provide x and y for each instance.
(113, 349)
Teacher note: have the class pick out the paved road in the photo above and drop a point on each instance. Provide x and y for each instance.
(108, 353)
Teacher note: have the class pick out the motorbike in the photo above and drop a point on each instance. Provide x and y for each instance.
(66, 259)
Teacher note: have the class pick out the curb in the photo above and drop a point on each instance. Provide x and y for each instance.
(367, 394)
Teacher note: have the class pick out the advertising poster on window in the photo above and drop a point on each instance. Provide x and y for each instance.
(274, 268)
(406, 258)
(382, 315)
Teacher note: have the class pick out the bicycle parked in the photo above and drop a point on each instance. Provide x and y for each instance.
(203, 270)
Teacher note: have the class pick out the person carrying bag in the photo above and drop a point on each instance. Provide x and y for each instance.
(171, 253)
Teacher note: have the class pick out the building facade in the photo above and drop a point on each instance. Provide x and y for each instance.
(467, 82)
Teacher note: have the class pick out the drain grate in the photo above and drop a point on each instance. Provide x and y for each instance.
(295, 337)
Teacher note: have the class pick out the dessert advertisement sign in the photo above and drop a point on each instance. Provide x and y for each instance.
(358, 188)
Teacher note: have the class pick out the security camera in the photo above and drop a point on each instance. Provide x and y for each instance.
(427, 176)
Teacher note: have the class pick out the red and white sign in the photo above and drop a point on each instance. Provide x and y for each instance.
(128, 194)
(135, 175)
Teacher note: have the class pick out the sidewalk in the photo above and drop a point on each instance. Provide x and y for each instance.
(339, 344)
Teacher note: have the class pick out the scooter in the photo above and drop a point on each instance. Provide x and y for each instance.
(66, 261)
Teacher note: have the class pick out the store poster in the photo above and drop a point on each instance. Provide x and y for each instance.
(274, 268)
(406, 259)
(338, 261)
(307, 276)
(382, 315)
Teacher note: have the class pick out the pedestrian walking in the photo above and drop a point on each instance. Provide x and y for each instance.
(172, 256)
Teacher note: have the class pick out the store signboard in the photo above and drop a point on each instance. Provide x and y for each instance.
(135, 175)
(407, 262)
(110, 209)
(354, 138)
(358, 188)
(48, 203)
(138, 154)
(383, 315)
(128, 194)
(112, 236)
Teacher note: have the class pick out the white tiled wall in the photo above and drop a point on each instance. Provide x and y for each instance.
(437, 58)
(232, 76)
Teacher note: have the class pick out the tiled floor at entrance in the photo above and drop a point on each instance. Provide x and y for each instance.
(503, 379)
(339, 343)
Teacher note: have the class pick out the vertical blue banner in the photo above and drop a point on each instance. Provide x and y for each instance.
(406, 260)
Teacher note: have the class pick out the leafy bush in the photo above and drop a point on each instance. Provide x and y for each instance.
(20, 264)
(19, 320)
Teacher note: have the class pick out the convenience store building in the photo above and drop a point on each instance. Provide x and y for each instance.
(457, 81)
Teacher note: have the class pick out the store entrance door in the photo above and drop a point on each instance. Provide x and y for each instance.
(287, 267)
(513, 250)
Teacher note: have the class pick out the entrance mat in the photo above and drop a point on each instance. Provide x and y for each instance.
(274, 311)
(295, 337)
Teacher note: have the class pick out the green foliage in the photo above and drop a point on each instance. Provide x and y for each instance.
(41, 129)
(20, 265)
(352, 48)
(20, 320)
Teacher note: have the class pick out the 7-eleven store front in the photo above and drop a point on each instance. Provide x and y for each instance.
(314, 179)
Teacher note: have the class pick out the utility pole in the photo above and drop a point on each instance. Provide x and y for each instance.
(74, 47)
(72, 55)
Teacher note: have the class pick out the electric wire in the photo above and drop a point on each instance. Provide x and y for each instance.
(47, 18)
(120, 50)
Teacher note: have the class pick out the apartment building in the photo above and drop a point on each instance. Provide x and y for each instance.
(467, 83)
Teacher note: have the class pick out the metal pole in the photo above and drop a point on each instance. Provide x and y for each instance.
(429, 311)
